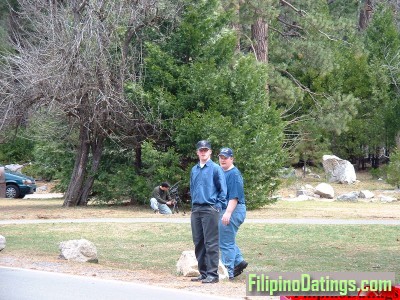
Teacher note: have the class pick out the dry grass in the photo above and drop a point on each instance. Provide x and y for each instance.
(52, 208)
(326, 208)
(364, 182)
(332, 210)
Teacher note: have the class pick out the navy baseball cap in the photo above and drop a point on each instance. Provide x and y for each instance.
(227, 152)
(203, 144)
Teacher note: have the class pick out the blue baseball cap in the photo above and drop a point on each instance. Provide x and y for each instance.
(203, 144)
(227, 152)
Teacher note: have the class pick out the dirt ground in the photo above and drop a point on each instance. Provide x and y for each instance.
(232, 289)
(30, 208)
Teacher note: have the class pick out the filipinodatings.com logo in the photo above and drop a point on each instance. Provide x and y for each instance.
(318, 283)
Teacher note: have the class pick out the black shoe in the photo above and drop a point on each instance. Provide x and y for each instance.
(210, 279)
(198, 278)
(239, 268)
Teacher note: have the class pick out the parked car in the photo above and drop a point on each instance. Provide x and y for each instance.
(18, 185)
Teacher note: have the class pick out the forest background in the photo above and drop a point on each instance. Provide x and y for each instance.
(109, 97)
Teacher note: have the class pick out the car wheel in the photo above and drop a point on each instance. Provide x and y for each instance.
(12, 191)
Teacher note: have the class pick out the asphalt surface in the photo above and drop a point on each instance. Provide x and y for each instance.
(23, 284)
(325, 221)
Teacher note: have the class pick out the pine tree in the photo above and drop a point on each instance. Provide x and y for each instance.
(205, 91)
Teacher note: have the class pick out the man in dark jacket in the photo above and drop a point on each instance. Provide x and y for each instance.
(208, 193)
(160, 199)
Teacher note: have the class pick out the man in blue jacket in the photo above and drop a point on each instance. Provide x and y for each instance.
(233, 216)
(208, 192)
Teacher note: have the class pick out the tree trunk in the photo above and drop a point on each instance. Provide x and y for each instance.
(236, 26)
(74, 190)
(365, 15)
(397, 140)
(97, 151)
(138, 158)
(259, 32)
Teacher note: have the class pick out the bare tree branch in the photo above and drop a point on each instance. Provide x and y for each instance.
(75, 57)
(304, 14)
(299, 11)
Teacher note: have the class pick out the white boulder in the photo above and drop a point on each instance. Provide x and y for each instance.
(338, 170)
(325, 190)
(15, 167)
(78, 250)
(2, 242)
(384, 198)
(366, 194)
(187, 266)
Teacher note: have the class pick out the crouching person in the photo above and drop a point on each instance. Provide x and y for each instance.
(160, 199)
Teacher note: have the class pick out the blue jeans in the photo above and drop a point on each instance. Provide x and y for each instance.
(162, 208)
(230, 252)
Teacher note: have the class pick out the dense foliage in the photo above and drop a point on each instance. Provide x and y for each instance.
(393, 169)
(283, 83)
(205, 91)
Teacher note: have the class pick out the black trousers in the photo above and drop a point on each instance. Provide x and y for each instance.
(204, 221)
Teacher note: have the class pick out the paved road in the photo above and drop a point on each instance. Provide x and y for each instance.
(22, 284)
(187, 220)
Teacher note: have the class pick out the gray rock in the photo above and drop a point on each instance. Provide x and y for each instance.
(187, 266)
(301, 192)
(313, 175)
(287, 173)
(42, 188)
(306, 190)
(300, 198)
(365, 194)
(2, 242)
(351, 197)
(78, 250)
(15, 167)
(338, 170)
(383, 198)
(304, 197)
(325, 190)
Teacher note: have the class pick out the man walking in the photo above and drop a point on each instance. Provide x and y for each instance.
(233, 216)
(208, 193)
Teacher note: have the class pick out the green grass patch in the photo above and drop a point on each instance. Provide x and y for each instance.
(322, 248)
(267, 247)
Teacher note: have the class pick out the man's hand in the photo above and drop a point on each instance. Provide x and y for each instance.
(169, 202)
(226, 218)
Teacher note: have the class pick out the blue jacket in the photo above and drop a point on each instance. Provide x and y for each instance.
(234, 183)
(208, 185)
